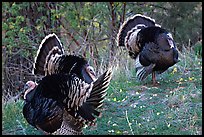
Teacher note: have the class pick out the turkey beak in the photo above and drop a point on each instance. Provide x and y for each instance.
(88, 74)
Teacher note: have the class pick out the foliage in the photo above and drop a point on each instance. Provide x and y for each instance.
(198, 48)
(85, 28)
(90, 29)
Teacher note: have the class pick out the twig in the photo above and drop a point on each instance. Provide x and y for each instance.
(129, 124)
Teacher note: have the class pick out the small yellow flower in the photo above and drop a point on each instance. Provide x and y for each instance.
(181, 79)
(158, 113)
(11, 26)
(114, 99)
(38, 27)
(153, 128)
(137, 93)
(190, 78)
(139, 124)
(121, 90)
(21, 30)
(174, 70)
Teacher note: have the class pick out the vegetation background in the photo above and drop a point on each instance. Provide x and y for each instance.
(90, 29)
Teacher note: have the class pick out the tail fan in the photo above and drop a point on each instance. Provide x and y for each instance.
(49, 49)
(130, 24)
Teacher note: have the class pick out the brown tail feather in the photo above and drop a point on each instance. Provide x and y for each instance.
(130, 24)
(50, 46)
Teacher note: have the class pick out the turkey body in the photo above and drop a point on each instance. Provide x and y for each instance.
(69, 94)
(61, 99)
(151, 46)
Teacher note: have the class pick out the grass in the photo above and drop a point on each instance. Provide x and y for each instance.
(138, 108)
(13, 122)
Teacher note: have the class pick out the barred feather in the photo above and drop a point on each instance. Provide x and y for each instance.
(50, 48)
(60, 96)
(130, 24)
(151, 46)
(68, 95)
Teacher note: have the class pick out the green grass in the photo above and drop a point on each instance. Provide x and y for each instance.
(173, 108)
(13, 122)
(132, 107)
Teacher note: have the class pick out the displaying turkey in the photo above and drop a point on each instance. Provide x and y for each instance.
(151, 46)
(69, 94)
(51, 59)
(63, 103)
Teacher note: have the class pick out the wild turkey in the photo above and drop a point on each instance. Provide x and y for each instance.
(151, 46)
(63, 103)
(51, 59)
(68, 95)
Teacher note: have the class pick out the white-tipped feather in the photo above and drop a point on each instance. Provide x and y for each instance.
(41, 44)
(157, 25)
(50, 61)
(130, 18)
(131, 38)
(149, 18)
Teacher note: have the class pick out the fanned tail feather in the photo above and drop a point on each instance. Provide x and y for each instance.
(131, 23)
(50, 48)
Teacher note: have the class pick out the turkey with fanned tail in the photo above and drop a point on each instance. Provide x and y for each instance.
(63, 103)
(69, 94)
(151, 46)
(51, 59)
